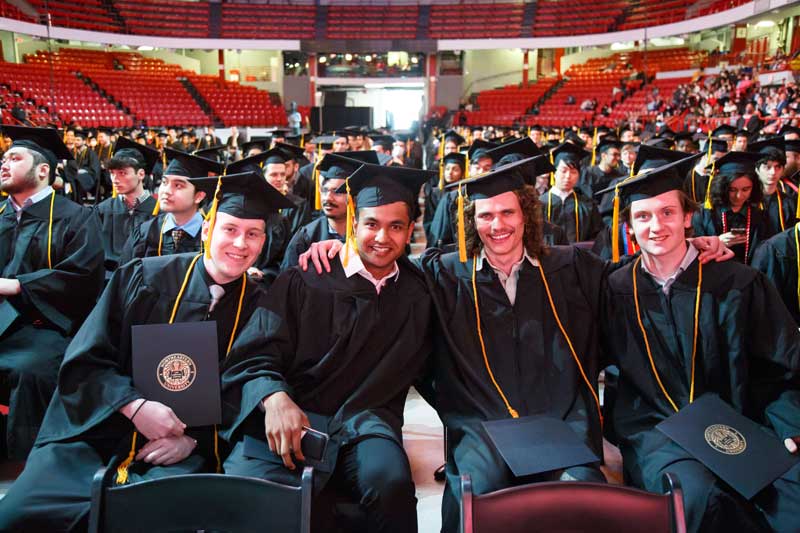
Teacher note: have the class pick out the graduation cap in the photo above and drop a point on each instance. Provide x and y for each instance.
(569, 153)
(324, 142)
(479, 148)
(665, 143)
(684, 136)
(387, 141)
(607, 144)
(715, 145)
(792, 145)
(292, 151)
(524, 147)
(376, 185)
(537, 127)
(453, 135)
(737, 163)
(724, 129)
(255, 163)
(456, 158)
(337, 166)
(188, 166)
(653, 157)
(131, 153)
(213, 153)
(279, 132)
(773, 149)
(45, 141)
(260, 143)
(572, 137)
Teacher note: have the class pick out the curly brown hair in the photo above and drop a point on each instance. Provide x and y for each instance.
(533, 239)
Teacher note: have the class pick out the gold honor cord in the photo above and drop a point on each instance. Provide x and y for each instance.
(441, 163)
(50, 230)
(122, 469)
(563, 206)
(694, 189)
(797, 249)
(694, 338)
(511, 410)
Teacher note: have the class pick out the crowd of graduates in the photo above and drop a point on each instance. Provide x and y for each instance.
(522, 297)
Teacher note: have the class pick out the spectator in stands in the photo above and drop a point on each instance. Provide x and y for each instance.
(284, 370)
(96, 412)
(294, 119)
(740, 140)
(177, 228)
(50, 275)
(737, 306)
(83, 170)
(627, 157)
(735, 215)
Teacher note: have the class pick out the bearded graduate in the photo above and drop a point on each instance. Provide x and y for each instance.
(98, 417)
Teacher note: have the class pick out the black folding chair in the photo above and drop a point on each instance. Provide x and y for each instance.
(195, 502)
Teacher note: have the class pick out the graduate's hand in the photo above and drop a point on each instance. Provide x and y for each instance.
(9, 287)
(732, 239)
(167, 451)
(711, 249)
(255, 273)
(320, 254)
(156, 421)
(792, 443)
(283, 425)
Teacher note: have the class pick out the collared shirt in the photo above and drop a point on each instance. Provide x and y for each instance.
(356, 266)
(508, 281)
(192, 227)
(561, 194)
(666, 284)
(41, 195)
(138, 201)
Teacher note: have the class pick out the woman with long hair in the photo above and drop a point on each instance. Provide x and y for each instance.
(734, 213)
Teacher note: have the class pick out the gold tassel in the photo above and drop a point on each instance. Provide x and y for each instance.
(594, 147)
(114, 193)
(302, 140)
(122, 469)
(441, 163)
(462, 240)
(212, 218)
(466, 166)
(315, 179)
(615, 228)
(156, 208)
(552, 174)
(529, 131)
(797, 215)
(694, 191)
(350, 237)
(707, 203)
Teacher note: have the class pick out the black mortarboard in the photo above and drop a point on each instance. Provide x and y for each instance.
(189, 166)
(569, 153)
(244, 195)
(773, 148)
(537, 444)
(262, 143)
(255, 163)
(213, 153)
(387, 141)
(789, 129)
(792, 145)
(455, 158)
(292, 151)
(717, 145)
(45, 141)
(483, 146)
(143, 156)
(497, 181)
(343, 164)
(324, 142)
(279, 132)
(651, 181)
(452, 135)
(664, 143)
(737, 163)
(608, 143)
(735, 448)
(649, 157)
(724, 129)
(537, 127)
(376, 185)
(525, 147)
(572, 137)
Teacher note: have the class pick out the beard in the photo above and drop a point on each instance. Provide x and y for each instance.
(24, 183)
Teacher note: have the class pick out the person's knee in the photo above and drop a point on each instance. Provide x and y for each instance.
(392, 483)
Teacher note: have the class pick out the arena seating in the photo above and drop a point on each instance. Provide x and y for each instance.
(238, 105)
(462, 21)
(282, 21)
(654, 13)
(505, 106)
(81, 14)
(162, 17)
(372, 22)
(554, 17)
(10, 99)
(635, 106)
(72, 99)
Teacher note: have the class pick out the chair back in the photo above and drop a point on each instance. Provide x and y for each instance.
(193, 502)
(565, 506)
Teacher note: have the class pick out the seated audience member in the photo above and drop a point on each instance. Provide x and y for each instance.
(97, 414)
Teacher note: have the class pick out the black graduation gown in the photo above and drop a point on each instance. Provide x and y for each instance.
(304, 184)
(298, 216)
(529, 357)
(117, 223)
(696, 186)
(787, 206)
(52, 305)
(777, 259)
(82, 173)
(603, 246)
(143, 241)
(748, 352)
(708, 222)
(317, 230)
(593, 180)
(562, 214)
(82, 430)
(345, 354)
(279, 233)
(432, 197)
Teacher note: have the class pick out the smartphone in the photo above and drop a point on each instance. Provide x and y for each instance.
(313, 443)
(739, 231)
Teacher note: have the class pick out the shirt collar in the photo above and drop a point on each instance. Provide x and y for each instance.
(41, 195)
(688, 258)
(192, 227)
(356, 266)
(482, 256)
(137, 202)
